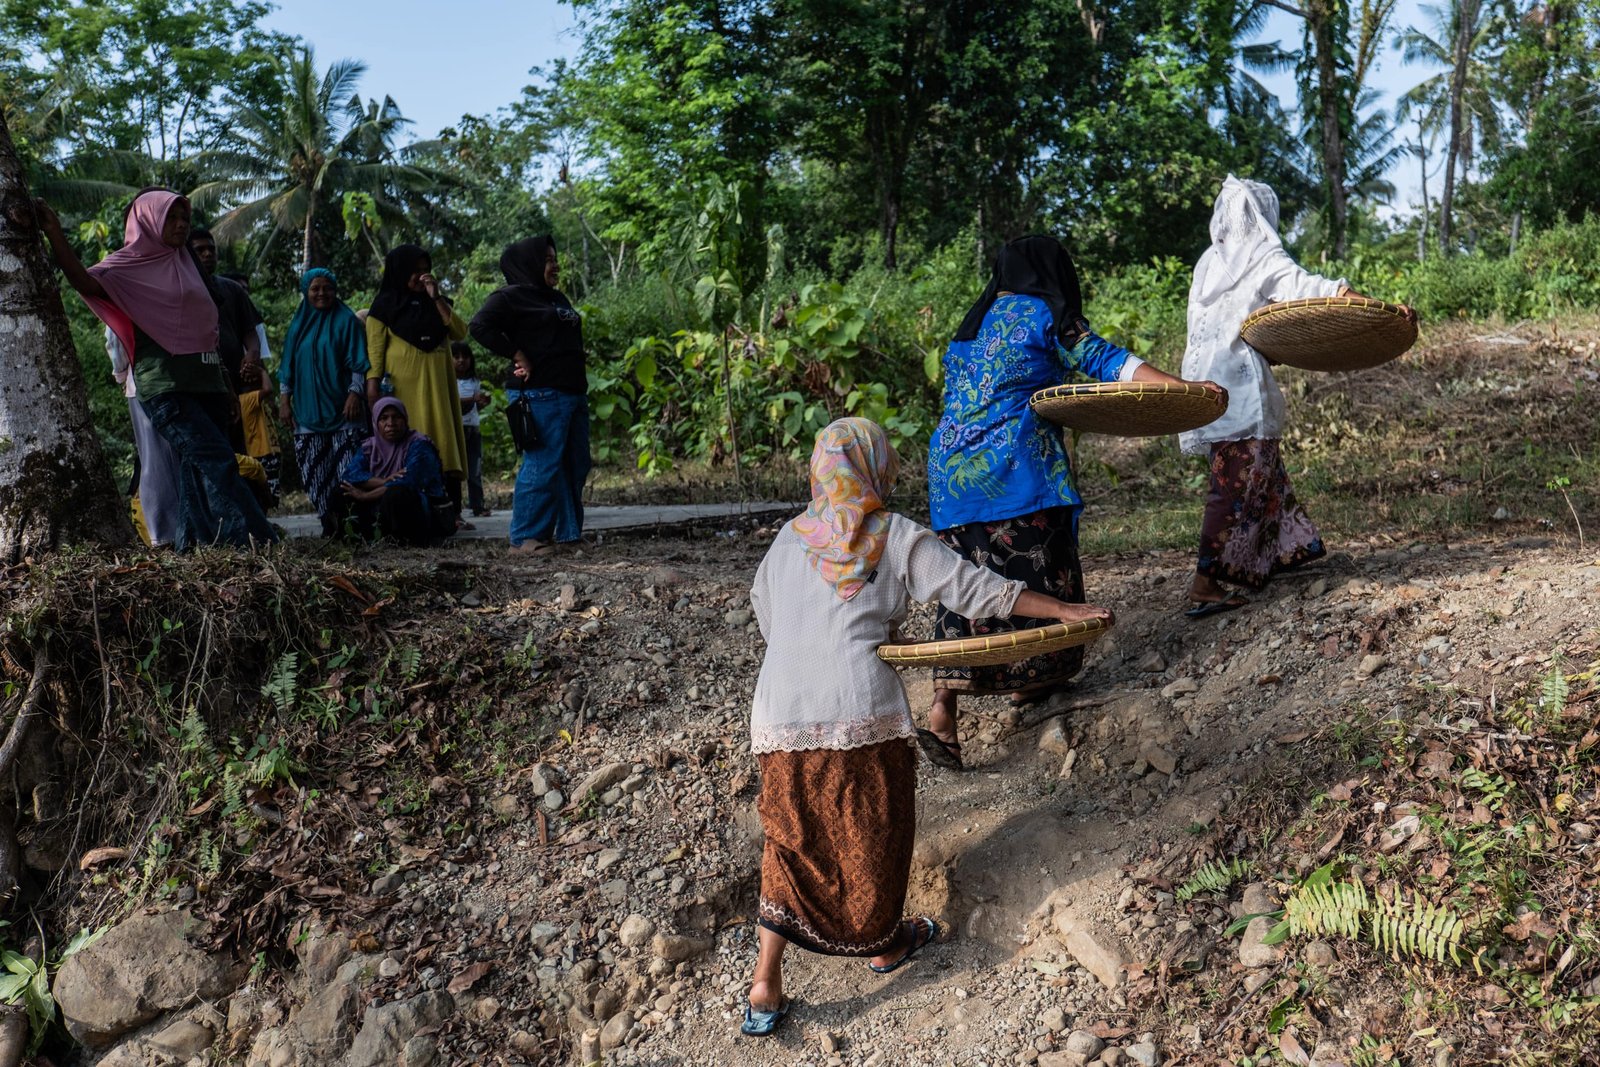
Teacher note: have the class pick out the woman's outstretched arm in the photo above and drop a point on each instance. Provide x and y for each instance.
(77, 275)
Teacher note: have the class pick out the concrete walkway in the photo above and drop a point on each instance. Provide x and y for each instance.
(497, 527)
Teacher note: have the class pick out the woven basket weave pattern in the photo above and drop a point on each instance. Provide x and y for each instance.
(1331, 333)
(994, 648)
(1129, 409)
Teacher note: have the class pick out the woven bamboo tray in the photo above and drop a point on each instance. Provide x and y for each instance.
(1330, 333)
(994, 648)
(1130, 409)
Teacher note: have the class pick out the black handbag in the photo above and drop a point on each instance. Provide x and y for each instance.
(524, 428)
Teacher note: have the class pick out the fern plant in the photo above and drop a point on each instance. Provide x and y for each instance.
(282, 686)
(1213, 877)
(409, 659)
(1322, 906)
(1373, 1053)
(1418, 929)
(1492, 789)
(1553, 690)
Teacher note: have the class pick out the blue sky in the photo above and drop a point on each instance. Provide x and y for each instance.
(438, 60)
(441, 61)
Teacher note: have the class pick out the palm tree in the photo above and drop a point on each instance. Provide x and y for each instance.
(1462, 93)
(1331, 75)
(279, 166)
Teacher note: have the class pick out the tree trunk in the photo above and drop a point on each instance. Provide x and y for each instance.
(1422, 234)
(55, 487)
(1466, 29)
(305, 242)
(1328, 102)
(891, 230)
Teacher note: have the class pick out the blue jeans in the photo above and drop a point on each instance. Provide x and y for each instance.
(548, 502)
(215, 506)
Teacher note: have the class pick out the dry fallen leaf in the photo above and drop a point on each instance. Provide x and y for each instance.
(1292, 1051)
(469, 977)
(97, 856)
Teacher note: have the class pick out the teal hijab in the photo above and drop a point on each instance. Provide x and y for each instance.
(324, 348)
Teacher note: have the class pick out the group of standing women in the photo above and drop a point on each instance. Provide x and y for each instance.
(830, 724)
(384, 434)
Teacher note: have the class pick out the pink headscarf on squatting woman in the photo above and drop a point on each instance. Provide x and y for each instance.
(853, 468)
(386, 459)
(156, 286)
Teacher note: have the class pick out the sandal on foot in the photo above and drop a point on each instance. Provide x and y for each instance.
(940, 753)
(758, 1023)
(1216, 607)
(918, 925)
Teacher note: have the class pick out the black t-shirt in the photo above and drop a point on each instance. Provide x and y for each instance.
(237, 318)
(551, 337)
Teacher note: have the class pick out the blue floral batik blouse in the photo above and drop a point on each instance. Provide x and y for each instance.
(991, 457)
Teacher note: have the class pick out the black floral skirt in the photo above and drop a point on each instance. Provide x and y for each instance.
(1040, 549)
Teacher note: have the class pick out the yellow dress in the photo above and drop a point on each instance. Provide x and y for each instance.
(425, 382)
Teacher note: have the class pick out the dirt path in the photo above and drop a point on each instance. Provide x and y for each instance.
(635, 916)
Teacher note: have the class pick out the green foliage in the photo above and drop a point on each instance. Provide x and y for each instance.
(27, 981)
(1323, 906)
(282, 686)
(1553, 690)
(1420, 929)
(1492, 789)
(1320, 906)
(1213, 877)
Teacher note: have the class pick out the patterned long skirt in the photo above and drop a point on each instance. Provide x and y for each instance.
(320, 457)
(1040, 549)
(1253, 525)
(840, 826)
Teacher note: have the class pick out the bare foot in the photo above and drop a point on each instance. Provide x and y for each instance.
(766, 996)
(907, 931)
(1205, 590)
(942, 717)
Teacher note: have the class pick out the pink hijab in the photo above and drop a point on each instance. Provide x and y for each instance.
(844, 531)
(155, 286)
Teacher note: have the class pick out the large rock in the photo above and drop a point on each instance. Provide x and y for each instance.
(1253, 948)
(139, 969)
(675, 948)
(321, 954)
(1053, 738)
(327, 1019)
(635, 931)
(1098, 952)
(601, 779)
(386, 1030)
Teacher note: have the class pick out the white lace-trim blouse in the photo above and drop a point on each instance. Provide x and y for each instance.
(822, 684)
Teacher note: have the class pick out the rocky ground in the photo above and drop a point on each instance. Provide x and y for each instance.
(583, 889)
(610, 884)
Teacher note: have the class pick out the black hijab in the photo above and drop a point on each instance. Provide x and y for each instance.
(1033, 266)
(523, 265)
(410, 316)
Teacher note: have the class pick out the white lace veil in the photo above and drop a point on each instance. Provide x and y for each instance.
(1244, 231)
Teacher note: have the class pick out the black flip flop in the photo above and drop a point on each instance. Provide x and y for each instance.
(940, 753)
(1216, 607)
(919, 924)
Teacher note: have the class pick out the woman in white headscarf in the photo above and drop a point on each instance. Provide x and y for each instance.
(1253, 526)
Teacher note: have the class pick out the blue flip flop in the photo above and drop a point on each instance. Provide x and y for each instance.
(759, 1023)
(920, 923)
